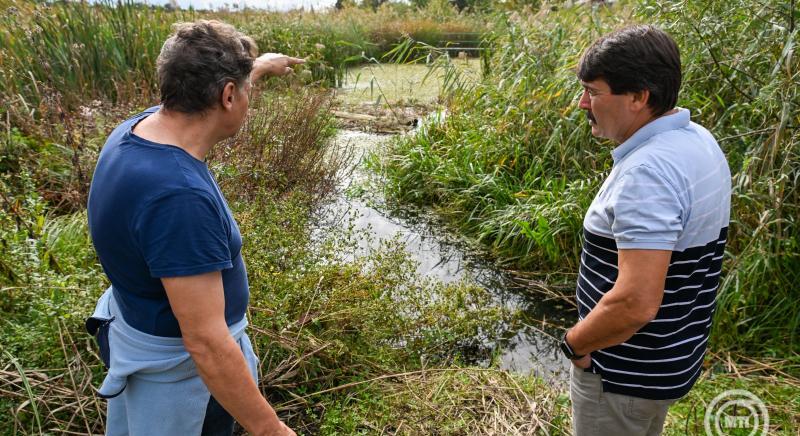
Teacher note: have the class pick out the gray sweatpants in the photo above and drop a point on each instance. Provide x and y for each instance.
(598, 413)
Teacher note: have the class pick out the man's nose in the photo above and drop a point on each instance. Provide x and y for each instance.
(585, 102)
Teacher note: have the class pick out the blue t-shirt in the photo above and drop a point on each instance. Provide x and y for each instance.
(156, 211)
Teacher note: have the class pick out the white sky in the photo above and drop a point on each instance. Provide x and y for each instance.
(275, 5)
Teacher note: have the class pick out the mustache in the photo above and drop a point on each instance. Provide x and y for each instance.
(590, 116)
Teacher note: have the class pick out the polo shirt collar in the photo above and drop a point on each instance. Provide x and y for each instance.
(661, 124)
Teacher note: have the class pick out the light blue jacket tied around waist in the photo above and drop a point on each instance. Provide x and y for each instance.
(158, 362)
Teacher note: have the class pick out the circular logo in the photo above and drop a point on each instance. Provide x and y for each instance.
(736, 412)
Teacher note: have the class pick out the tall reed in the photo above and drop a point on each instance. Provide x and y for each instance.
(56, 56)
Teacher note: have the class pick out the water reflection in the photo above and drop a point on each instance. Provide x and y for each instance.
(532, 347)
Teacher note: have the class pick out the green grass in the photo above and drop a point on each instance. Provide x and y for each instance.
(316, 323)
(400, 84)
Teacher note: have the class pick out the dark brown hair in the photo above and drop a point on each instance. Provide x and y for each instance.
(198, 60)
(633, 59)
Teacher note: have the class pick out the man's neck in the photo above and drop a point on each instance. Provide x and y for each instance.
(644, 119)
(194, 133)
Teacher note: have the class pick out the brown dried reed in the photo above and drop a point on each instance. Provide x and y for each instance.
(284, 147)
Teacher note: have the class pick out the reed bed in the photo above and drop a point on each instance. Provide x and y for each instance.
(55, 57)
(58, 56)
(283, 147)
(514, 166)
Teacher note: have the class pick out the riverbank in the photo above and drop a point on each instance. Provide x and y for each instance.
(769, 379)
(513, 168)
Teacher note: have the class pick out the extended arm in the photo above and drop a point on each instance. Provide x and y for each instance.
(273, 64)
(198, 303)
(631, 304)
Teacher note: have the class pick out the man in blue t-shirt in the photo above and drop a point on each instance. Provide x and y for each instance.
(171, 327)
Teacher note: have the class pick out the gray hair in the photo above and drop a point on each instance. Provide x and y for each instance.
(198, 60)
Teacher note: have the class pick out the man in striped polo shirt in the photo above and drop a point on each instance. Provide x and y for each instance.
(654, 238)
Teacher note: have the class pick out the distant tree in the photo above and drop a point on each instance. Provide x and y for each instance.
(373, 4)
(344, 4)
(463, 4)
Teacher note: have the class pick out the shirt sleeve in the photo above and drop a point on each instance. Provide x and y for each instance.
(646, 211)
(182, 233)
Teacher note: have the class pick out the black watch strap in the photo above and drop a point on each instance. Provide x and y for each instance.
(568, 351)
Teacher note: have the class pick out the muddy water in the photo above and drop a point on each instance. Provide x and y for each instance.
(443, 256)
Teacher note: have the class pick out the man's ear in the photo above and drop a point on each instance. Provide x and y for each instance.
(639, 99)
(228, 94)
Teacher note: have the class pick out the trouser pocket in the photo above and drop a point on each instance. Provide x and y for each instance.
(99, 327)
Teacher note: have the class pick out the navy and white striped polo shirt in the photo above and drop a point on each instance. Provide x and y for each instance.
(669, 189)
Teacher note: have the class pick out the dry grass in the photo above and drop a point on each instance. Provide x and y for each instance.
(474, 400)
(467, 401)
(54, 401)
(283, 147)
(431, 401)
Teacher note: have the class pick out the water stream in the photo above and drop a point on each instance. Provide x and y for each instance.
(443, 256)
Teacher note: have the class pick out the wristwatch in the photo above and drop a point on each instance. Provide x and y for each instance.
(568, 351)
